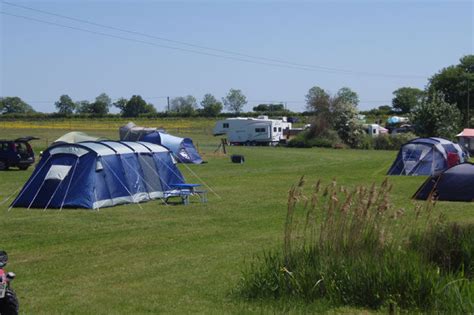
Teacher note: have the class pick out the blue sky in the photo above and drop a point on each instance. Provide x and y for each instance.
(403, 42)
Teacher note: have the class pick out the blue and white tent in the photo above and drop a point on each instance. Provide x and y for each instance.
(183, 148)
(99, 174)
(426, 156)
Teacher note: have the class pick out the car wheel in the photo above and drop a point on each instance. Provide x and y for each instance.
(23, 167)
(3, 166)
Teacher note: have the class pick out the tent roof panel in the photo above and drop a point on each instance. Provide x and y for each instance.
(153, 147)
(98, 148)
(118, 147)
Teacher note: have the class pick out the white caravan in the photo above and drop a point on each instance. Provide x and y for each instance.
(252, 131)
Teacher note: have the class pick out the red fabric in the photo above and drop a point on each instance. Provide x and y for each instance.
(453, 159)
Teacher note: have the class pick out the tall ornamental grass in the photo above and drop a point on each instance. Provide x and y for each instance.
(350, 247)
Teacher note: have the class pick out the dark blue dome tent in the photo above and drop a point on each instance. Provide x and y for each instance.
(96, 174)
(183, 148)
(426, 156)
(455, 184)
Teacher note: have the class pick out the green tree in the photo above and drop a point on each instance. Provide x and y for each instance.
(436, 117)
(346, 124)
(346, 96)
(234, 101)
(455, 82)
(82, 107)
(97, 108)
(261, 108)
(211, 107)
(14, 105)
(318, 101)
(121, 104)
(134, 107)
(336, 112)
(185, 105)
(269, 108)
(65, 105)
(385, 109)
(101, 105)
(407, 98)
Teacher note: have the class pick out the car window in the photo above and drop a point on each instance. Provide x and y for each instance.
(21, 147)
(4, 146)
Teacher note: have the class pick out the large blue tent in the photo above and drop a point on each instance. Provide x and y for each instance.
(183, 148)
(455, 184)
(426, 156)
(99, 174)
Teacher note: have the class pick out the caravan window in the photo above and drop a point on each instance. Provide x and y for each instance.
(279, 129)
(225, 125)
(274, 129)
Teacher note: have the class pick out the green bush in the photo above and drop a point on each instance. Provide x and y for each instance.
(326, 139)
(391, 278)
(391, 142)
(340, 246)
(366, 142)
(450, 247)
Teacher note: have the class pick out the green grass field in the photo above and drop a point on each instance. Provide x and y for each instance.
(173, 258)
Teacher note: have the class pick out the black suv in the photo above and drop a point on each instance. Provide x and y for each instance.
(16, 153)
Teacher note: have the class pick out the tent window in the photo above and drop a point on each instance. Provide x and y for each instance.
(225, 125)
(58, 172)
(259, 129)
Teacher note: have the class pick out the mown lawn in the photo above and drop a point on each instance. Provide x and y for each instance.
(177, 259)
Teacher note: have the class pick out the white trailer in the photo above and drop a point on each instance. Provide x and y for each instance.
(252, 131)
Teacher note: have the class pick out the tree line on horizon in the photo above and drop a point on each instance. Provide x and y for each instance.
(440, 109)
(136, 106)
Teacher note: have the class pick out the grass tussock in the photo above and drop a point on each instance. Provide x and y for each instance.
(350, 247)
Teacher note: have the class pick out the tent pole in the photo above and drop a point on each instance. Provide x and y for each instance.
(133, 199)
(158, 175)
(11, 195)
(28, 185)
(36, 195)
(69, 184)
(139, 176)
(54, 193)
(199, 179)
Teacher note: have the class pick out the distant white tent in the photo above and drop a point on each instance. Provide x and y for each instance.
(76, 137)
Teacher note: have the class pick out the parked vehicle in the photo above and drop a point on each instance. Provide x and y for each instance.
(16, 153)
(8, 300)
(252, 131)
